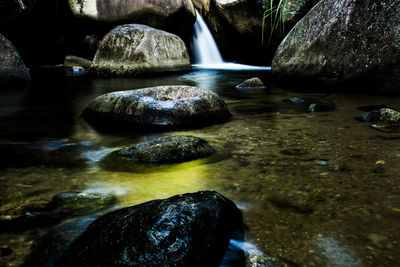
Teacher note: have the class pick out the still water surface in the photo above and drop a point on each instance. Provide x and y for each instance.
(317, 189)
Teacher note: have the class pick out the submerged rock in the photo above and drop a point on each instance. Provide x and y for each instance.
(185, 230)
(157, 107)
(135, 49)
(253, 83)
(78, 203)
(387, 127)
(345, 40)
(51, 154)
(12, 68)
(169, 149)
(175, 15)
(36, 212)
(311, 104)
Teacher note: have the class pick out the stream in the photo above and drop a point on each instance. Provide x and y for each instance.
(316, 189)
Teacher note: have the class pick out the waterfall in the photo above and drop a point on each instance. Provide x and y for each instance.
(206, 53)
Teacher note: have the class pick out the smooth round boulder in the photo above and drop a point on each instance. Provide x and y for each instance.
(185, 230)
(172, 15)
(253, 83)
(169, 149)
(135, 49)
(12, 68)
(346, 40)
(161, 107)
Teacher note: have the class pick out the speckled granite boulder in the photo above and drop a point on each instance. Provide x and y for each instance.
(12, 68)
(135, 49)
(343, 40)
(185, 230)
(162, 107)
(171, 14)
(169, 149)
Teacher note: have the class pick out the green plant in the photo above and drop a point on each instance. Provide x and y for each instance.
(277, 16)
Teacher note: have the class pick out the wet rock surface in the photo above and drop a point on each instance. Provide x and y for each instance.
(184, 230)
(136, 49)
(12, 68)
(384, 119)
(343, 40)
(48, 249)
(159, 107)
(169, 150)
(37, 212)
(253, 83)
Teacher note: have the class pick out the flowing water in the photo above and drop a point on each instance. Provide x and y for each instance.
(317, 189)
(206, 53)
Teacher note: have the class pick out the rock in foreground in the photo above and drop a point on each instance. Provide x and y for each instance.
(169, 149)
(135, 49)
(11, 66)
(344, 40)
(184, 230)
(157, 108)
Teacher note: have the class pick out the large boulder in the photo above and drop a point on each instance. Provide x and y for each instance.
(169, 149)
(184, 230)
(343, 40)
(135, 49)
(12, 68)
(169, 15)
(158, 107)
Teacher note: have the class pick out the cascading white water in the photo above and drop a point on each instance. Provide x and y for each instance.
(206, 53)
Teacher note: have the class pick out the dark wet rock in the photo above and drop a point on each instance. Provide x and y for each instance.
(52, 154)
(173, 15)
(159, 107)
(311, 104)
(169, 149)
(12, 68)
(27, 213)
(185, 230)
(79, 203)
(36, 212)
(344, 40)
(135, 49)
(253, 83)
(47, 250)
(4, 251)
(386, 115)
(73, 61)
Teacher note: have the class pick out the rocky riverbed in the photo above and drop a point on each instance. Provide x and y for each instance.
(314, 188)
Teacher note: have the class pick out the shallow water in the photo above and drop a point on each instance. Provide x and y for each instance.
(317, 189)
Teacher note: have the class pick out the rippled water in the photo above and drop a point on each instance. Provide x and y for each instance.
(317, 189)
